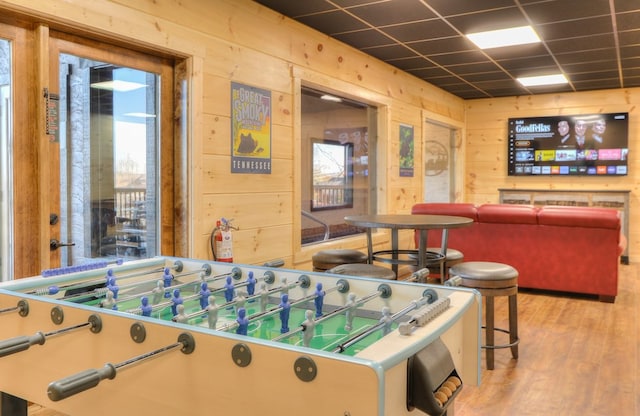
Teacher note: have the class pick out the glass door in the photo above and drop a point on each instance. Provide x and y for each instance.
(108, 174)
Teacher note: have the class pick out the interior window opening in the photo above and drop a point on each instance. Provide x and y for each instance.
(337, 170)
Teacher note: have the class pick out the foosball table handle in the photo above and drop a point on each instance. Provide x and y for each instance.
(21, 343)
(66, 387)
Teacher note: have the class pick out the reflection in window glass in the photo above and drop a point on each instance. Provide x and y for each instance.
(332, 175)
(337, 174)
(6, 134)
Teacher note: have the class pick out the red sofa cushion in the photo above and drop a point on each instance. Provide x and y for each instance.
(579, 217)
(446, 208)
(508, 214)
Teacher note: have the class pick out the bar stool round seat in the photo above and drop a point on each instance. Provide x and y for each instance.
(492, 279)
(364, 270)
(324, 260)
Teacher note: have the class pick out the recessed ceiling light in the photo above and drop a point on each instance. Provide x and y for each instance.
(504, 37)
(543, 80)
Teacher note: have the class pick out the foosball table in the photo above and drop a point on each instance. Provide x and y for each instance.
(168, 336)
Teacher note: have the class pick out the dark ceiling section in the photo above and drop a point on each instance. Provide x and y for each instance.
(595, 43)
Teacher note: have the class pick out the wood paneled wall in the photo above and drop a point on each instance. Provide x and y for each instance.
(224, 41)
(486, 146)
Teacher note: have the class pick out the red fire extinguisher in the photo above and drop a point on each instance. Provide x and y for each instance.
(222, 246)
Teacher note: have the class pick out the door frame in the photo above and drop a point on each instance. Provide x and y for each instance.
(58, 43)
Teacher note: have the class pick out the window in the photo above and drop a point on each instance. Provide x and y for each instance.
(337, 168)
(332, 175)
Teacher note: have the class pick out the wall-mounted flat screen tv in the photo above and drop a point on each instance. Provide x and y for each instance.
(585, 144)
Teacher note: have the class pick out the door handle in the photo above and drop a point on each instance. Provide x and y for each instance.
(55, 244)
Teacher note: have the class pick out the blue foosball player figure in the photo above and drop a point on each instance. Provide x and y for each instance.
(175, 301)
(167, 278)
(145, 307)
(319, 299)
(228, 289)
(284, 312)
(113, 286)
(204, 295)
(243, 322)
(251, 284)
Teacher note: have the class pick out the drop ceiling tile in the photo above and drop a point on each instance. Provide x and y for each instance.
(575, 28)
(364, 38)
(630, 51)
(626, 5)
(631, 62)
(628, 21)
(490, 20)
(555, 11)
(391, 52)
(297, 8)
(586, 76)
(443, 81)
(443, 45)
(428, 29)
(473, 68)
(631, 72)
(524, 63)
(332, 22)
(428, 72)
(599, 84)
(487, 76)
(586, 56)
(534, 71)
(632, 82)
(351, 3)
(587, 67)
(582, 43)
(455, 7)
(458, 58)
(380, 14)
(629, 37)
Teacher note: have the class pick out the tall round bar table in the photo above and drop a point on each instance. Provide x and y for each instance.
(396, 222)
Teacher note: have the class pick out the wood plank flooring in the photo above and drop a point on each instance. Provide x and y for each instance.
(578, 357)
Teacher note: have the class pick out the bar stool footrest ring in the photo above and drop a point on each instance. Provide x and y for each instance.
(497, 347)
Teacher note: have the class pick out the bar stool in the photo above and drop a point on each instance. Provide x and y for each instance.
(364, 270)
(492, 279)
(324, 260)
(451, 258)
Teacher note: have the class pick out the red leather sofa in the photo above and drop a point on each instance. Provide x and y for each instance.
(565, 249)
